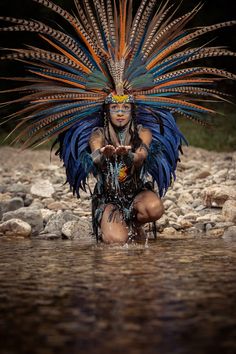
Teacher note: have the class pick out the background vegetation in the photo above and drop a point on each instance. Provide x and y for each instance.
(221, 136)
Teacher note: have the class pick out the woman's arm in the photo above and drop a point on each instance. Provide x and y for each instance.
(99, 151)
(141, 152)
(138, 157)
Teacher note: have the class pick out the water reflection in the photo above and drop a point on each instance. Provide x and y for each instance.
(68, 297)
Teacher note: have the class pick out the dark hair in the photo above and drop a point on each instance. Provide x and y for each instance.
(133, 128)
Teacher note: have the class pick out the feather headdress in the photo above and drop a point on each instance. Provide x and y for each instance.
(148, 55)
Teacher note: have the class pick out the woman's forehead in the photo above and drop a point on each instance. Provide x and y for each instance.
(120, 104)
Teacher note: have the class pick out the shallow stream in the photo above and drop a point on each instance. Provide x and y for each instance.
(174, 296)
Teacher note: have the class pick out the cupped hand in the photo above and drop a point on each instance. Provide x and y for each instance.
(108, 150)
(123, 149)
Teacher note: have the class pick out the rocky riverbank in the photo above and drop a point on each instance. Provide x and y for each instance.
(34, 202)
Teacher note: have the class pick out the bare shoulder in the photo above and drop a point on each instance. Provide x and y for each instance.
(96, 139)
(145, 135)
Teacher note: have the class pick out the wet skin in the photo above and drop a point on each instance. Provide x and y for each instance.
(120, 114)
(148, 206)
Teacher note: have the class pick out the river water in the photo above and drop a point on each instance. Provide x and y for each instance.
(174, 296)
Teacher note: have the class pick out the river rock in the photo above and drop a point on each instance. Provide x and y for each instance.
(222, 174)
(42, 188)
(76, 229)
(185, 224)
(36, 204)
(200, 226)
(48, 236)
(215, 232)
(230, 233)
(57, 221)
(68, 229)
(175, 225)
(209, 218)
(15, 227)
(189, 216)
(28, 200)
(47, 201)
(169, 231)
(11, 204)
(162, 222)
(224, 224)
(58, 206)
(31, 216)
(203, 174)
(216, 196)
(229, 210)
(168, 203)
(46, 214)
(176, 210)
(16, 188)
(172, 215)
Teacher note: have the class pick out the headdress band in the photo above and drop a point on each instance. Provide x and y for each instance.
(119, 99)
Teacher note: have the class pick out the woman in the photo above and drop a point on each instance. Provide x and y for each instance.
(83, 88)
(121, 143)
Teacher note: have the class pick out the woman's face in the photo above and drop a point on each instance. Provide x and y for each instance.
(120, 114)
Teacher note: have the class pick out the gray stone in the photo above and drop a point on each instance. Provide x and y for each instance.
(16, 188)
(69, 229)
(79, 229)
(28, 200)
(11, 204)
(229, 210)
(36, 204)
(209, 218)
(200, 226)
(2, 189)
(185, 198)
(57, 221)
(42, 188)
(175, 210)
(230, 233)
(46, 214)
(47, 236)
(196, 203)
(162, 222)
(172, 215)
(168, 203)
(208, 226)
(15, 227)
(224, 225)
(31, 216)
(222, 174)
(200, 207)
(175, 226)
(190, 216)
(203, 174)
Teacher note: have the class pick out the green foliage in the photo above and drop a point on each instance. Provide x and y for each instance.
(219, 137)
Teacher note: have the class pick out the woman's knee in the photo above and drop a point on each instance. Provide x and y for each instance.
(114, 230)
(153, 210)
(115, 236)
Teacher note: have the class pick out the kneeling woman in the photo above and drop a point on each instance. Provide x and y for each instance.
(123, 200)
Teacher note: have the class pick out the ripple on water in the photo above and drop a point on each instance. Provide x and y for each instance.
(175, 296)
